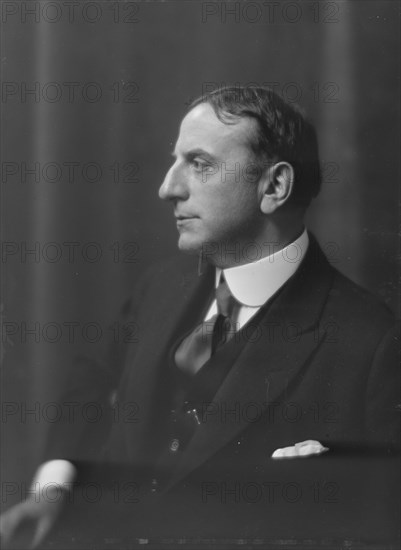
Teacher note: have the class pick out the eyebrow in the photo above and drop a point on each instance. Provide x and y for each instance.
(198, 152)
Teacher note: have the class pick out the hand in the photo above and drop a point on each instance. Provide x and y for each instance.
(42, 512)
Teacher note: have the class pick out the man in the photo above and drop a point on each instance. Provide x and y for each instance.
(253, 347)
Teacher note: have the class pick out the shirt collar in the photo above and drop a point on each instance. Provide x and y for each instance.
(254, 283)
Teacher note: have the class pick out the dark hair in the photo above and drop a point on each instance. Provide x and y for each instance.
(284, 133)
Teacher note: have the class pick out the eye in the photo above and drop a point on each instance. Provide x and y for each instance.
(201, 165)
(198, 164)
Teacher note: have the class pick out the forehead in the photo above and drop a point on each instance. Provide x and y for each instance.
(202, 129)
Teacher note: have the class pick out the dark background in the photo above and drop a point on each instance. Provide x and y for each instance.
(340, 60)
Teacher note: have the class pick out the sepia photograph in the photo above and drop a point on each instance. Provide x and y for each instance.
(200, 275)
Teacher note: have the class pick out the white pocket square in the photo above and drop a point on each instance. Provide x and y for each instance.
(302, 449)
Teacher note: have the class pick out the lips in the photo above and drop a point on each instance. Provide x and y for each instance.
(183, 222)
(181, 217)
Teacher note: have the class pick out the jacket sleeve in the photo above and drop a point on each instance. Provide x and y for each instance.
(86, 390)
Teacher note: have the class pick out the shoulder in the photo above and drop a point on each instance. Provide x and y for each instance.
(348, 304)
(350, 299)
(360, 321)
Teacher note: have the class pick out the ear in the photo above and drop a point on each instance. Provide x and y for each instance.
(276, 186)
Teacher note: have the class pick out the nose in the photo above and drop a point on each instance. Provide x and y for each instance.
(174, 185)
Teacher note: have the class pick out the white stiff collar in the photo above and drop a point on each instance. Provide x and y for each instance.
(254, 283)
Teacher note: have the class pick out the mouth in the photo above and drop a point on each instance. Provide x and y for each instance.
(183, 221)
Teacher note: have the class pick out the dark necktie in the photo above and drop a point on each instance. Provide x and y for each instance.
(202, 343)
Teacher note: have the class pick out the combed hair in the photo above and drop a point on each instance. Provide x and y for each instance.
(284, 134)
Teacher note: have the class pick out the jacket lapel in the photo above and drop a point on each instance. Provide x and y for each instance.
(266, 367)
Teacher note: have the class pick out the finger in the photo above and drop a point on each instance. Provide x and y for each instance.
(289, 452)
(286, 452)
(278, 453)
(8, 523)
(42, 529)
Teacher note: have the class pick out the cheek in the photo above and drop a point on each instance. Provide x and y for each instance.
(228, 221)
(229, 205)
(239, 204)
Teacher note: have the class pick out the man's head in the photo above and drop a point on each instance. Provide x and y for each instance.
(245, 162)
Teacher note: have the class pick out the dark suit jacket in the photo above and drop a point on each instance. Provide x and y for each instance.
(319, 361)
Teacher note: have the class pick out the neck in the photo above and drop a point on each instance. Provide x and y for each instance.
(231, 254)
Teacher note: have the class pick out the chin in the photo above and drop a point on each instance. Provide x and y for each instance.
(189, 246)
